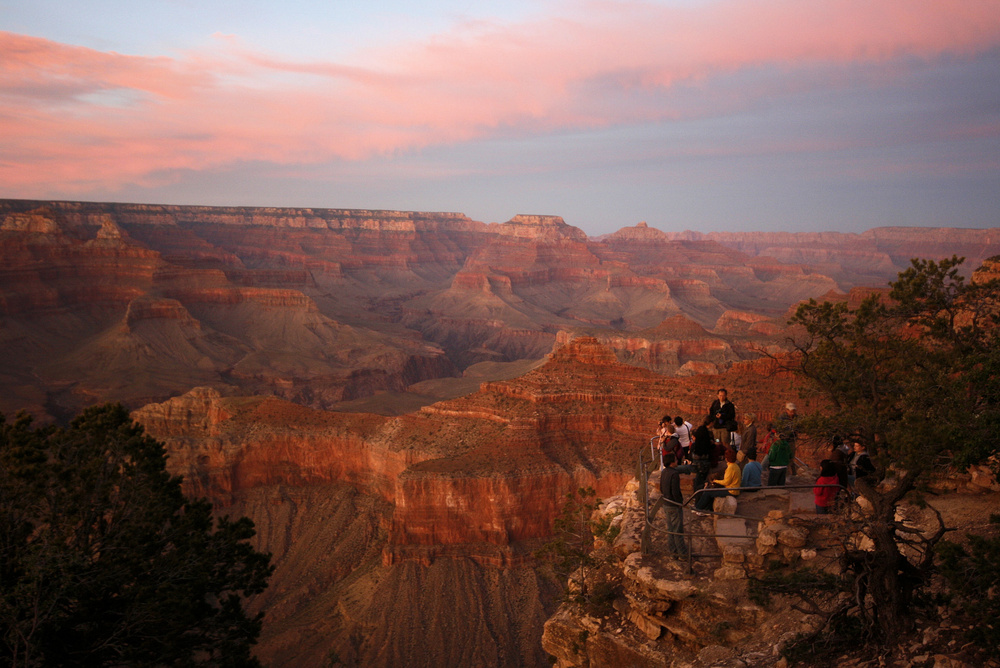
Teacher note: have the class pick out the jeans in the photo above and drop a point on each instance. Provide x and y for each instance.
(705, 499)
(702, 467)
(675, 524)
(776, 476)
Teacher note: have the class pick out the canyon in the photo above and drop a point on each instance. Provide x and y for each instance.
(401, 401)
(387, 311)
(410, 539)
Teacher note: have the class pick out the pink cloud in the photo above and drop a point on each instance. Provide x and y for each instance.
(75, 118)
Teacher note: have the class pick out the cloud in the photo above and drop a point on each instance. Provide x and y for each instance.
(75, 118)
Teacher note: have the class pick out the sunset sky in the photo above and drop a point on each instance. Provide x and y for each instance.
(689, 114)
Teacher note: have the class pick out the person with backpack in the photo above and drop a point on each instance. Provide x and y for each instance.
(671, 445)
(685, 434)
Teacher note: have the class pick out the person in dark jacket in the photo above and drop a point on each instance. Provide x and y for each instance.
(722, 414)
(860, 464)
(701, 455)
(670, 488)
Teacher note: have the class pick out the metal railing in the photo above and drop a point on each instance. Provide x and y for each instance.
(650, 513)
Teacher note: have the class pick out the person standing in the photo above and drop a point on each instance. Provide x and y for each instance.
(685, 434)
(661, 435)
(748, 443)
(722, 413)
(701, 455)
(778, 458)
(787, 430)
(670, 488)
(860, 464)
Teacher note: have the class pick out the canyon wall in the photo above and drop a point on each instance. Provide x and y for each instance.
(326, 307)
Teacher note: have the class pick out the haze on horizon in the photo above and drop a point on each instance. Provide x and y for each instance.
(688, 114)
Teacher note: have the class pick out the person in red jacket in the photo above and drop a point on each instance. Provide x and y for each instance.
(825, 496)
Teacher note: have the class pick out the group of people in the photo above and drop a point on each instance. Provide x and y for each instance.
(685, 449)
(848, 461)
(719, 437)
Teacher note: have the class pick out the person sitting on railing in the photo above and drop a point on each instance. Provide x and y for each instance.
(670, 488)
(751, 469)
(729, 484)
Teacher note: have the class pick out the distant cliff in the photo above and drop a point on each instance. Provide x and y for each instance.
(325, 307)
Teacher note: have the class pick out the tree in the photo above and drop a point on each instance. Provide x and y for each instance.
(104, 561)
(573, 534)
(915, 375)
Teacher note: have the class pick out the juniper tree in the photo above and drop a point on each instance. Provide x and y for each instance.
(103, 561)
(915, 375)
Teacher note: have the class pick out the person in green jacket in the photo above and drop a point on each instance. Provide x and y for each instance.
(778, 457)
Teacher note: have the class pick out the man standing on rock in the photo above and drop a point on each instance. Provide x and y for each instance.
(670, 488)
(723, 415)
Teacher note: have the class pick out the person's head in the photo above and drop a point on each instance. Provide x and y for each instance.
(770, 426)
(671, 429)
(790, 408)
(751, 456)
(827, 468)
(730, 455)
(669, 459)
(749, 419)
(679, 421)
(722, 394)
(664, 420)
(860, 447)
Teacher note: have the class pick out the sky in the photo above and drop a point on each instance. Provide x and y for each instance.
(707, 115)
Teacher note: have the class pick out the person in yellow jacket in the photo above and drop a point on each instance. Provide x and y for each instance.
(730, 483)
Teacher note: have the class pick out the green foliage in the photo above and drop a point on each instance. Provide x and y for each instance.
(973, 575)
(572, 548)
(605, 529)
(104, 561)
(573, 536)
